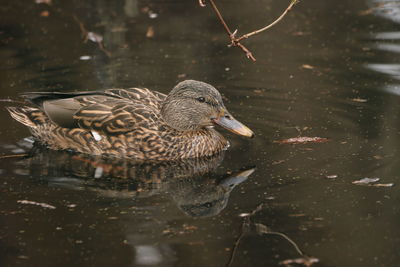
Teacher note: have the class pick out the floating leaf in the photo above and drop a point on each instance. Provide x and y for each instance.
(331, 176)
(366, 181)
(44, 13)
(306, 261)
(303, 140)
(153, 15)
(150, 32)
(306, 66)
(383, 185)
(359, 100)
(85, 57)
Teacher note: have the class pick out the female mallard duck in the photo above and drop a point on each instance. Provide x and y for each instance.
(135, 123)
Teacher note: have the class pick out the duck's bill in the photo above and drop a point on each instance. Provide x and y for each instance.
(236, 178)
(231, 124)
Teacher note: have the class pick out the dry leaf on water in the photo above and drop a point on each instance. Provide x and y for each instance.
(359, 100)
(383, 185)
(150, 32)
(44, 13)
(333, 176)
(366, 181)
(306, 66)
(302, 140)
(371, 181)
(306, 261)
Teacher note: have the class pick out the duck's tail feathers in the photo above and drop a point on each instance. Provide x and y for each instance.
(28, 116)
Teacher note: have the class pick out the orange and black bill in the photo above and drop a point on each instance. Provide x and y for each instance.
(233, 125)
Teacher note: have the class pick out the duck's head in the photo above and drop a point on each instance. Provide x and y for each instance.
(194, 105)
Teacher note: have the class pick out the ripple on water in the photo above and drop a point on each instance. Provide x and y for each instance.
(388, 43)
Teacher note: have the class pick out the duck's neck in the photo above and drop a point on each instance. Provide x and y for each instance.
(204, 142)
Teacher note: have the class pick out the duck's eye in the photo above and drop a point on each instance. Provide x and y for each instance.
(201, 99)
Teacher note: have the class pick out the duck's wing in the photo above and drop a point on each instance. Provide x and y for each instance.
(143, 95)
(113, 111)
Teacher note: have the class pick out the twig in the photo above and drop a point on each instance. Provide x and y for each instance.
(245, 227)
(235, 41)
(102, 48)
(257, 209)
(81, 27)
(247, 35)
(296, 247)
(231, 35)
(85, 35)
(216, 10)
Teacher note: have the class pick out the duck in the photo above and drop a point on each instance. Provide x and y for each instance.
(133, 123)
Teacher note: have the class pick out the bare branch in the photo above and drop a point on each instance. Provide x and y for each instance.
(244, 229)
(261, 229)
(231, 35)
(235, 41)
(247, 35)
(221, 18)
(296, 247)
(86, 33)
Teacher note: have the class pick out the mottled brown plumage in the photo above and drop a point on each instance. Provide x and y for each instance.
(135, 123)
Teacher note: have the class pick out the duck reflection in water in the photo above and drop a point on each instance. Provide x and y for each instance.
(192, 184)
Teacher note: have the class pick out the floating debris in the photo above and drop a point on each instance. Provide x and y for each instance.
(85, 57)
(150, 32)
(44, 13)
(334, 176)
(153, 15)
(359, 100)
(302, 140)
(43, 205)
(278, 162)
(383, 185)
(306, 66)
(366, 181)
(94, 37)
(371, 181)
(306, 261)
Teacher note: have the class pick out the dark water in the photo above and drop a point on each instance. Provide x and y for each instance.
(330, 69)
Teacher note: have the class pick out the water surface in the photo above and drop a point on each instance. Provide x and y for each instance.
(327, 70)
